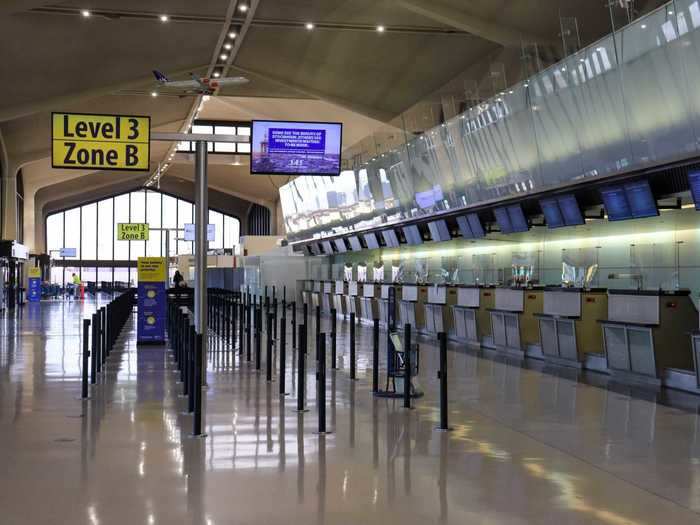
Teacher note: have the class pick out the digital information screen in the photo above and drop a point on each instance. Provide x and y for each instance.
(464, 228)
(694, 182)
(371, 241)
(475, 225)
(340, 245)
(390, 239)
(615, 202)
(503, 220)
(571, 211)
(552, 213)
(518, 221)
(439, 231)
(295, 148)
(412, 234)
(355, 244)
(327, 248)
(641, 199)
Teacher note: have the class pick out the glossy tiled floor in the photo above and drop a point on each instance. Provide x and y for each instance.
(527, 446)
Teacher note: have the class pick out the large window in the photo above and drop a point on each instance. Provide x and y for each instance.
(217, 127)
(91, 230)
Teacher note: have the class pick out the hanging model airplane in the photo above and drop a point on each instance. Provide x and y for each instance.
(199, 85)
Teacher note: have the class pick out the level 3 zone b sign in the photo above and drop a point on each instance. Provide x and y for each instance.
(108, 142)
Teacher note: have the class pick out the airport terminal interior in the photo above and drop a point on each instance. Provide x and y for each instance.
(349, 262)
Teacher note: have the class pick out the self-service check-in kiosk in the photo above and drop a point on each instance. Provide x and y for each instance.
(435, 310)
(369, 307)
(513, 323)
(646, 334)
(351, 298)
(339, 293)
(569, 324)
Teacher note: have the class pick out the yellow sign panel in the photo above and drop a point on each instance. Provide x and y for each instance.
(132, 232)
(34, 271)
(110, 142)
(151, 269)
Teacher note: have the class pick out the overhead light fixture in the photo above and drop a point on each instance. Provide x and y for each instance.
(381, 29)
(309, 25)
(85, 13)
(243, 8)
(232, 34)
(223, 56)
(164, 18)
(217, 74)
(154, 93)
(644, 26)
(227, 46)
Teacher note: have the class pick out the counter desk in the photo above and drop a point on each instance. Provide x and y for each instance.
(369, 307)
(514, 324)
(436, 309)
(340, 290)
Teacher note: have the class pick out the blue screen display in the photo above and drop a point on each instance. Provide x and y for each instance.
(412, 235)
(439, 231)
(503, 220)
(464, 228)
(295, 148)
(371, 241)
(694, 182)
(641, 200)
(355, 244)
(327, 248)
(552, 213)
(571, 211)
(616, 204)
(475, 225)
(390, 239)
(518, 222)
(340, 245)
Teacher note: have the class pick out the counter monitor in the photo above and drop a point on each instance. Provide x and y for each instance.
(355, 244)
(327, 247)
(371, 241)
(476, 227)
(641, 199)
(412, 235)
(616, 205)
(390, 239)
(570, 210)
(694, 183)
(552, 213)
(518, 221)
(503, 220)
(439, 231)
(340, 245)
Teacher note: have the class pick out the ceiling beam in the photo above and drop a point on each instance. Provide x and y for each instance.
(439, 11)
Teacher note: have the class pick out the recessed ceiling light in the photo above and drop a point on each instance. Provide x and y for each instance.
(243, 8)
(644, 26)
(85, 13)
(223, 56)
(232, 34)
(227, 46)
(309, 25)
(381, 28)
(154, 93)
(164, 18)
(217, 74)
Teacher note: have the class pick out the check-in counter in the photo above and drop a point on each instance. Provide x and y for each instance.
(369, 306)
(316, 294)
(307, 292)
(646, 334)
(326, 297)
(435, 309)
(383, 302)
(408, 307)
(465, 315)
(514, 325)
(340, 290)
(569, 324)
(351, 299)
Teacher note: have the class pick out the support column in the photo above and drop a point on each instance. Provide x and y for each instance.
(200, 251)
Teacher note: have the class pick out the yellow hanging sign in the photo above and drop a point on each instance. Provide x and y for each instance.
(151, 269)
(132, 231)
(109, 142)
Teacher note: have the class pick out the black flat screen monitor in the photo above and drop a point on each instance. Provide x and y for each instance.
(616, 205)
(552, 213)
(371, 241)
(315, 249)
(694, 183)
(571, 211)
(390, 239)
(518, 221)
(464, 229)
(412, 235)
(503, 220)
(439, 231)
(327, 247)
(295, 148)
(476, 227)
(641, 199)
(340, 245)
(355, 244)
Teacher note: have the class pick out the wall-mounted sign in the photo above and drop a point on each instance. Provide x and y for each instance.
(132, 231)
(69, 252)
(108, 142)
(189, 232)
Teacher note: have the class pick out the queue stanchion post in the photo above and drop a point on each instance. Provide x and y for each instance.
(442, 376)
(353, 356)
(321, 383)
(93, 354)
(407, 366)
(301, 369)
(375, 356)
(318, 329)
(197, 408)
(98, 342)
(86, 354)
(258, 339)
(334, 340)
(268, 359)
(193, 371)
(294, 325)
(283, 353)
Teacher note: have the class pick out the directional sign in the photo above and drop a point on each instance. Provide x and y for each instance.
(69, 252)
(132, 232)
(109, 142)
